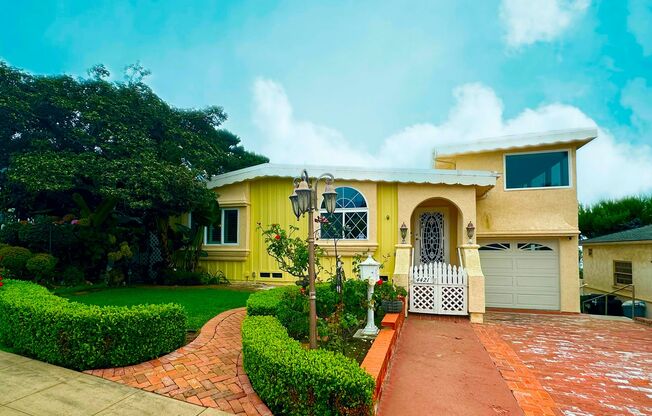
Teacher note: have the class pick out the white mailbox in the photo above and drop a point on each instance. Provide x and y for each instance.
(370, 270)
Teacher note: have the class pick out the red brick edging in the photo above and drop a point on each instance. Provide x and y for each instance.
(377, 360)
(207, 372)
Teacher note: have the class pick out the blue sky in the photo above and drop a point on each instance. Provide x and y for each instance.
(370, 82)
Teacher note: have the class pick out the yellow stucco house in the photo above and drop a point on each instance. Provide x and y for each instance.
(620, 259)
(520, 192)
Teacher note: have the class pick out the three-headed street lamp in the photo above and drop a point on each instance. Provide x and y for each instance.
(304, 200)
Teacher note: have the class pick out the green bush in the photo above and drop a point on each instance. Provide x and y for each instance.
(14, 259)
(294, 381)
(293, 312)
(9, 233)
(266, 302)
(73, 276)
(41, 266)
(70, 334)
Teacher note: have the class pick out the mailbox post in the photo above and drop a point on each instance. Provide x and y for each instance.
(370, 271)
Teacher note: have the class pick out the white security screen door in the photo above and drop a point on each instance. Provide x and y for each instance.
(431, 236)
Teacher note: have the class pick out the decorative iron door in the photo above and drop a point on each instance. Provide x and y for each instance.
(432, 238)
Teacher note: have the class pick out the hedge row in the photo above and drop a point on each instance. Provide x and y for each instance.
(70, 334)
(266, 302)
(294, 381)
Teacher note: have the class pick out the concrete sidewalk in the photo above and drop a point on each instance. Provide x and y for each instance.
(30, 387)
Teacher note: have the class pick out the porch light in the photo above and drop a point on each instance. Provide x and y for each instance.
(404, 230)
(470, 231)
(294, 199)
(330, 197)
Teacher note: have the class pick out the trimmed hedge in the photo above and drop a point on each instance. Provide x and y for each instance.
(266, 302)
(14, 259)
(39, 324)
(294, 381)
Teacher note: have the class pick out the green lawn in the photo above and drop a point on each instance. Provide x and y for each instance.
(200, 302)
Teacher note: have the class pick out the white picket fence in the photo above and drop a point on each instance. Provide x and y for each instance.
(438, 288)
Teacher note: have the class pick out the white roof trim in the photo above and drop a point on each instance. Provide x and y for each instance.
(584, 135)
(433, 176)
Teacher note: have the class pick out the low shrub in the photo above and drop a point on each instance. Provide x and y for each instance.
(41, 266)
(72, 276)
(14, 259)
(266, 302)
(294, 381)
(70, 334)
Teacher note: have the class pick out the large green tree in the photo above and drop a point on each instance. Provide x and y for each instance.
(610, 216)
(61, 135)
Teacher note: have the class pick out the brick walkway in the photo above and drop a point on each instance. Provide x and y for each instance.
(208, 371)
(572, 365)
(440, 368)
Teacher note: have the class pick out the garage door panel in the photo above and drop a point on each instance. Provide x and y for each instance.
(495, 263)
(500, 299)
(538, 301)
(538, 282)
(521, 278)
(501, 282)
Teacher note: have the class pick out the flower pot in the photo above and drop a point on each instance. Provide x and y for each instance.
(392, 306)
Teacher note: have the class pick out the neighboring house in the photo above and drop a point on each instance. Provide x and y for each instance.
(519, 191)
(616, 260)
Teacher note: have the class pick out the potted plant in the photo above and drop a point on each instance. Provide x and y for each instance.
(388, 294)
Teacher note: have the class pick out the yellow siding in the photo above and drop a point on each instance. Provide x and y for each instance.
(388, 226)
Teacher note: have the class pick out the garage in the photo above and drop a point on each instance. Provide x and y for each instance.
(521, 273)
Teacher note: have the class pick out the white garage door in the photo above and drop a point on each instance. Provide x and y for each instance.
(521, 273)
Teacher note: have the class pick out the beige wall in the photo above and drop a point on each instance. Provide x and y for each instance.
(540, 212)
(599, 268)
(529, 213)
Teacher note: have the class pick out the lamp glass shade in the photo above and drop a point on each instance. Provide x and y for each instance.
(330, 198)
(304, 194)
(470, 230)
(404, 231)
(294, 199)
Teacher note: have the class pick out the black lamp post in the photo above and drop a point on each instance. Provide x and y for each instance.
(304, 200)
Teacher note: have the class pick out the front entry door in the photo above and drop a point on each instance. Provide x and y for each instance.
(431, 236)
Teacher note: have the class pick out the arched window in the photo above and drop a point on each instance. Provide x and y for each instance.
(350, 219)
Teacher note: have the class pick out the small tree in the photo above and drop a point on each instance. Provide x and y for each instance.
(290, 252)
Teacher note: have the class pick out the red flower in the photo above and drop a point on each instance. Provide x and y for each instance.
(277, 237)
(379, 282)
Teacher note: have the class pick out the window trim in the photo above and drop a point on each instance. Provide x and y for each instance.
(344, 211)
(222, 216)
(570, 170)
(631, 264)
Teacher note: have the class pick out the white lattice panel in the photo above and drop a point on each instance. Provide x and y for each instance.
(422, 298)
(438, 288)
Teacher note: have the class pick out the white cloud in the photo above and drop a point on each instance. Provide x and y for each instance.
(639, 23)
(606, 168)
(530, 21)
(637, 96)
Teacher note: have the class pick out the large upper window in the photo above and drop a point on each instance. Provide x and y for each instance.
(350, 219)
(537, 170)
(226, 232)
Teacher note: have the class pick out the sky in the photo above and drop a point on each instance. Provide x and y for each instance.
(375, 83)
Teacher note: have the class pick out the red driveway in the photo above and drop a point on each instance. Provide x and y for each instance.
(441, 368)
(587, 365)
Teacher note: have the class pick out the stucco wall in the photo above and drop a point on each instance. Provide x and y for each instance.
(524, 211)
(599, 268)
